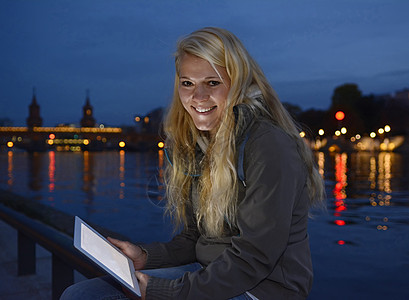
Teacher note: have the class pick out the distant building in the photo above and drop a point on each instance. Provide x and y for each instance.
(402, 96)
(152, 122)
(34, 119)
(87, 118)
(6, 122)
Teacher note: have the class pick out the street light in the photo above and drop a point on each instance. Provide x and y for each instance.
(321, 132)
(339, 115)
(387, 128)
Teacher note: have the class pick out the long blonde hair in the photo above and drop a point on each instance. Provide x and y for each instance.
(217, 184)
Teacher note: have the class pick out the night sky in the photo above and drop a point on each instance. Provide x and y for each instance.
(122, 51)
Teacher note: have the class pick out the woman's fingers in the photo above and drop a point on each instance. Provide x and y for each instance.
(135, 253)
(143, 283)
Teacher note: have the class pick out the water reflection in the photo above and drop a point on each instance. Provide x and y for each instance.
(360, 186)
(10, 168)
(121, 174)
(88, 176)
(51, 174)
(363, 185)
(35, 166)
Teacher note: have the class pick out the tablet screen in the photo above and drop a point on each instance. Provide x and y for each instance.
(106, 255)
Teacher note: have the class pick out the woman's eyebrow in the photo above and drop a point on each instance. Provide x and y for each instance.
(206, 78)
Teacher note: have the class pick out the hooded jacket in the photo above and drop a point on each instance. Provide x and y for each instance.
(267, 253)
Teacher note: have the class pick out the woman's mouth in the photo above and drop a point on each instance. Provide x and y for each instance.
(204, 110)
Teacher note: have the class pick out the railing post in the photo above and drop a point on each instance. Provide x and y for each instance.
(26, 255)
(62, 276)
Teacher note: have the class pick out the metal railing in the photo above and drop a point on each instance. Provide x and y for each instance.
(65, 258)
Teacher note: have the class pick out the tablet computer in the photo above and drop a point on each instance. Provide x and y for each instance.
(104, 254)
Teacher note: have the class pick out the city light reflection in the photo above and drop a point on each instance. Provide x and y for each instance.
(161, 183)
(10, 168)
(51, 172)
(321, 163)
(340, 185)
(122, 174)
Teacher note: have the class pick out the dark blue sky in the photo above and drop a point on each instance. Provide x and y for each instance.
(122, 51)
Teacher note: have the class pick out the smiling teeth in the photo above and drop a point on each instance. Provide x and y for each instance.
(202, 110)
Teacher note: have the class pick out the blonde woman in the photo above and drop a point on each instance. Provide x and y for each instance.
(240, 182)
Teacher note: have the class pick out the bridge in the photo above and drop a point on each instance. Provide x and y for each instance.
(66, 138)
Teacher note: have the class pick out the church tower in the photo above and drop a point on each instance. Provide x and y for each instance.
(87, 118)
(34, 119)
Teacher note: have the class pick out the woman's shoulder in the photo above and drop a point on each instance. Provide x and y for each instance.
(266, 132)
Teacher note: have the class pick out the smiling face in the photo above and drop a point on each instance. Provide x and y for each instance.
(203, 91)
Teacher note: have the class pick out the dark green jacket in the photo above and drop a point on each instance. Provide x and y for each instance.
(268, 252)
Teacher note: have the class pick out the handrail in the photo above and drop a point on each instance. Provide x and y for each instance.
(65, 258)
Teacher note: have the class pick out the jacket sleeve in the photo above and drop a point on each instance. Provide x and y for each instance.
(179, 251)
(275, 177)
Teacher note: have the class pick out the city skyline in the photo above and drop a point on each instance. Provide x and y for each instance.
(122, 52)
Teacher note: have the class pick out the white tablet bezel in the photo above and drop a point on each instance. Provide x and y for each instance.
(129, 268)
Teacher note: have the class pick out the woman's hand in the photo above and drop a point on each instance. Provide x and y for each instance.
(135, 253)
(143, 283)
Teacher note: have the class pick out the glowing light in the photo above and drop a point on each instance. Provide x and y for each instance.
(341, 242)
(381, 130)
(50, 142)
(102, 126)
(358, 136)
(372, 134)
(146, 120)
(333, 148)
(137, 119)
(343, 130)
(86, 142)
(353, 139)
(161, 145)
(339, 222)
(339, 115)
(51, 136)
(380, 227)
(302, 134)
(387, 128)
(10, 144)
(321, 132)
(121, 144)
(337, 133)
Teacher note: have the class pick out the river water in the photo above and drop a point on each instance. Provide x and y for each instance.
(359, 244)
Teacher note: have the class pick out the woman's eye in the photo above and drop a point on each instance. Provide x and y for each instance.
(214, 82)
(187, 83)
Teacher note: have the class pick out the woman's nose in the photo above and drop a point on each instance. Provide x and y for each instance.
(201, 93)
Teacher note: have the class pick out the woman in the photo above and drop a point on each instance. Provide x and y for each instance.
(240, 182)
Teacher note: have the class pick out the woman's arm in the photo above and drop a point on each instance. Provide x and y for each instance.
(179, 251)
